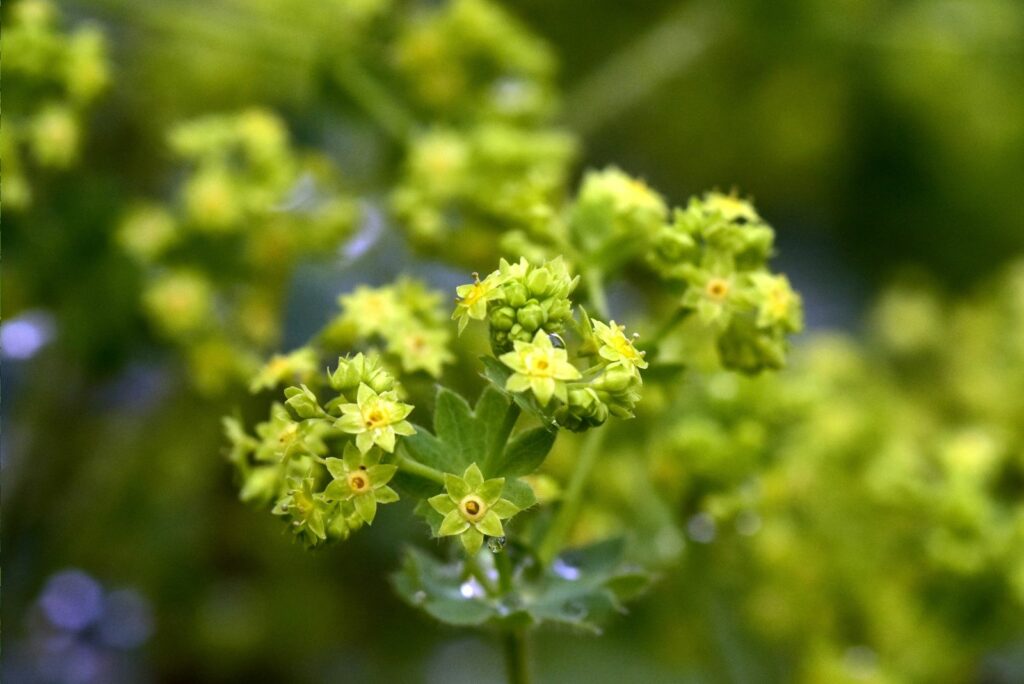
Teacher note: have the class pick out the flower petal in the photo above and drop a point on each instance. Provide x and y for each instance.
(490, 491)
(442, 503)
(380, 475)
(386, 495)
(472, 540)
(453, 523)
(490, 525)
(336, 467)
(503, 508)
(457, 487)
(366, 506)
(473, 477)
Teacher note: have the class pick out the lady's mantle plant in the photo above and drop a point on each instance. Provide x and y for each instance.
(348, 440)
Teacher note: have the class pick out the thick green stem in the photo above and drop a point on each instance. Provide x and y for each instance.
(407, 465)
(572, 501)
(517, 663)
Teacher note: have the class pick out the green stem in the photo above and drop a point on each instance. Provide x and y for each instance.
(375, 100)
(652, 345)
(406, 464)
(517, 663)
(572, 501)
(594, 280)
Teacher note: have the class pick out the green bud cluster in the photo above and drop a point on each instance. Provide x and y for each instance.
(217, 260)
(469, 59)
(718, 247)
(318, 459)
(405, 316)
(492, 175)
(50, 78)
(518, 300)
(614, 218)
(527, 308)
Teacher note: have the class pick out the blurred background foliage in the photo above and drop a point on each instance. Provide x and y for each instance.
(856, 517)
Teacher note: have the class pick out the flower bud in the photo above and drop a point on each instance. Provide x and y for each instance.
(346, 376)
(538, 282)
(516, 294)
(302, 402)
(503, 318)
(531, 317)
(381, 381)
(615, 379)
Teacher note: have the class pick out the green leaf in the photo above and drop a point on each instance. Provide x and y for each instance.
(524, 453)
(427, 449)
(463, 435)
(519, 493)
(431, 516)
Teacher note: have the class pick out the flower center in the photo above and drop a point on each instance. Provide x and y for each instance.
(374, 417)
(473, 507)
(717, 288)
(358, 481)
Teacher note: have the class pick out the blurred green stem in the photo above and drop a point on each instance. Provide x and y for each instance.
(407, 465)
(652, 346)
(594, 280)
(390, 114)
(674, 42)
(562, 524)
(517, 664)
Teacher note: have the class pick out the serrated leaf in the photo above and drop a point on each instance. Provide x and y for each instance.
(427, 449)
(519, 493)
(524, 453)
(431, 516)
(465, 440)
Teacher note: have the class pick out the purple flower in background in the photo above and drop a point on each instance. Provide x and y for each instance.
(23, 336)
(79, 633)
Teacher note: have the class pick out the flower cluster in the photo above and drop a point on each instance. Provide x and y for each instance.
(50, 77)
(471, 59)
(217, 259)
(493, 175)
(405, 316)
(527, 308)
(614, 218)
(718, 248)
(518, 300)
(320, 463)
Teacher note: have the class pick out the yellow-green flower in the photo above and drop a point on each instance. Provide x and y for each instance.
(731, 206)
(297, 366)
(472, 507)
(375, 419)
(473, 298)
(778, 304)
(539, 367)
(420, 348)
(372, 310)
(615, 346)
(362, 479)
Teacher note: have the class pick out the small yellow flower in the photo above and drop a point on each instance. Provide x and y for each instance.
(375, 419)
(778, 302)
(539, 367)
(473, 298)
(731, 207)
(615, 346)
